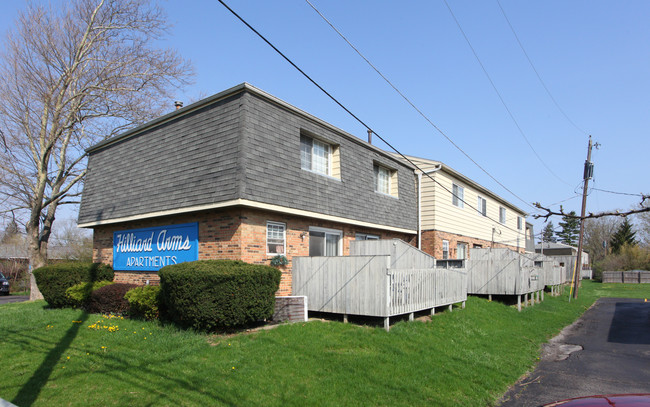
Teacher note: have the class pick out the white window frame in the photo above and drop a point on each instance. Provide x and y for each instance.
(312, 165)
(481, 206)
(328, 231)
(284, 238)
(464, 251)
(445, 252)
(382, 179)
(457, 195)
(502, 215)
(520, 222)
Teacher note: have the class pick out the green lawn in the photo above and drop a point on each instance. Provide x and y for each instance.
(466, 357)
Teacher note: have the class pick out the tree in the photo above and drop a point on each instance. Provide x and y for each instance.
(10, 233)
(70, 77)
(624, 236)
(570, 227)
(548, 233)
(598, 233)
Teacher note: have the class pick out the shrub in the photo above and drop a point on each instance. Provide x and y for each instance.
(211, 294)
(143, 301)
(79, 294)
(55, 279)
(109, 299)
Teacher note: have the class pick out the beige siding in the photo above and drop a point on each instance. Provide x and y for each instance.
(439, 213)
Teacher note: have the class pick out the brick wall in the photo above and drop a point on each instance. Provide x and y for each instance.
(237, 234)
(432, 243)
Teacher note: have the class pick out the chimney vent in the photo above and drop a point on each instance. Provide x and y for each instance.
(178, 104)
(369, 136)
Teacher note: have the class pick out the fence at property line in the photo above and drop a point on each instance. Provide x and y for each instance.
(627, 277)
(390, 278)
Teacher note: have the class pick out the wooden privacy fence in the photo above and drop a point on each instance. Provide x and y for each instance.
(628, 277)
(378, 283)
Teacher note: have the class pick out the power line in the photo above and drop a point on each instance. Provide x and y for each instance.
(618, 193)
(354, 116)
(420, 112)
(536, 72)
(503, 102)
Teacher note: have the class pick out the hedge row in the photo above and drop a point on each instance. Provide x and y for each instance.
(204, 295)
(55, 279)
(211, 294)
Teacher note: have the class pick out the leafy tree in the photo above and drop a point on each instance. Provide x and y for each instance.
(71, 76)
(548, 233)
(570, 228)
(624, 236)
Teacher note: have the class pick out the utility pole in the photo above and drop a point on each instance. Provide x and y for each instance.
(588, 173)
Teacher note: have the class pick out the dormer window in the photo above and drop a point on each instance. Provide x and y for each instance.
(385, 180)
(315, 155)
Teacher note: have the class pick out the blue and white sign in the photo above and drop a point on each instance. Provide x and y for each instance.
(151, 249)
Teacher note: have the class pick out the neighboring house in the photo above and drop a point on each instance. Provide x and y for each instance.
(456, 214)
(240, 175)
(566, 256)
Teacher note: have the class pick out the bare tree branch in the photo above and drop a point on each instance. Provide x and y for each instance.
(549, 212)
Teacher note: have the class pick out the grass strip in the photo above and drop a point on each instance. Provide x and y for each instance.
(464, 357)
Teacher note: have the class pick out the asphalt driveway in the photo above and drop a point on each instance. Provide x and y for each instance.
(607, 351)
(5, 299)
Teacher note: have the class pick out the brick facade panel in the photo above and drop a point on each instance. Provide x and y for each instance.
(236, 234)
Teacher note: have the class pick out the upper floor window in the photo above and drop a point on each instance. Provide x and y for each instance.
(457, 195)
(385, 180)
(382, 179)
(520, 222)
(482, 206)
(315, 155)
(502, 214)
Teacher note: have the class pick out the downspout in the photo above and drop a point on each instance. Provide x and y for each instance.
(419, 211)
(437, 168)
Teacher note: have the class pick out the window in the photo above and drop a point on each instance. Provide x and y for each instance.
(315, 155)
(520, 222)
(324, 242)
(275, 238)
(482, 206)
(445, 249)
(382, 179)
(539, 264)
(461, 251)
(502, 214)
(385, 180)
(477, 246)
(457, 195)
(364, 236)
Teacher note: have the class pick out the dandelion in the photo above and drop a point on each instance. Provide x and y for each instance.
(233, 368)
(68, 358)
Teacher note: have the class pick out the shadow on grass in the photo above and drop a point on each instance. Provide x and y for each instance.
(28, 394)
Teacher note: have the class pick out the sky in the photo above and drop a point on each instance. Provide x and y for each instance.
(592, 56)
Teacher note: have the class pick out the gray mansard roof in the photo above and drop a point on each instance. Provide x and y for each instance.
(239, 147)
